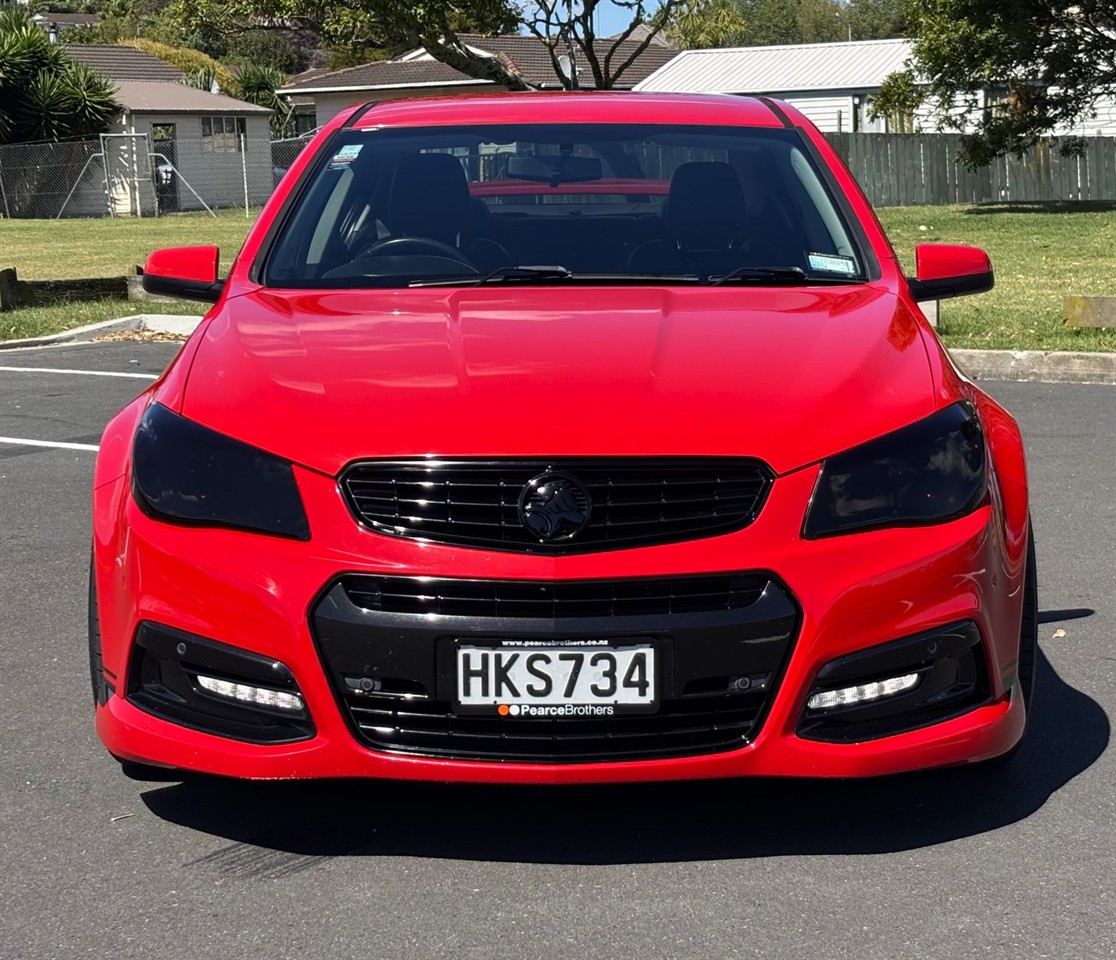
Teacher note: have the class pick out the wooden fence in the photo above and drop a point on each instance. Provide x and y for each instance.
(40, 293)
(908, 169)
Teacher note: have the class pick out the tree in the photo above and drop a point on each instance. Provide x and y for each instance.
(1043, 64)
(125, 20)
(394, 26)
(701, 24)
(757, 23)
(750, 23)
(60, 6)
(568, 28)
(190, 61)
(876, 19)
(43, 94)
(290, 51)
(793, 21)
(284, 50)
(258, 85)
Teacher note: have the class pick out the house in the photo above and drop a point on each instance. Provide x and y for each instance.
(173, 147)
(417, 74)
(304, 118)
(206, 148)
(58, 24)
(123, 63)
(831, 83)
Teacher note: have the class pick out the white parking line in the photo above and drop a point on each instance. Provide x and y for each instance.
(59, 444)
(86, 373)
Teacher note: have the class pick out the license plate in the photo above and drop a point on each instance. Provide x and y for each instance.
(557, 681)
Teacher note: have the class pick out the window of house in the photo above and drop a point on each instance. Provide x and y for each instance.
(222, 134)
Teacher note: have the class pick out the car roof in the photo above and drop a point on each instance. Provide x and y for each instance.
(587, 107)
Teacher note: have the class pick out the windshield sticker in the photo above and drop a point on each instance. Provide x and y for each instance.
(831, 263)
(347, 154)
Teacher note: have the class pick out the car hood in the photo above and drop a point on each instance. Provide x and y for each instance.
(788, 375)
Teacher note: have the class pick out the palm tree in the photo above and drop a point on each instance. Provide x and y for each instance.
(258, 85)
(43, 94)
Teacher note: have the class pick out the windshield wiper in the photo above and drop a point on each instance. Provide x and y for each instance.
(500, 275)
(761, 275)
(547, 273)
(778, 276)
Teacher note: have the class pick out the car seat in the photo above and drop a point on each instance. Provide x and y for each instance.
(705, 226)
(430, 199)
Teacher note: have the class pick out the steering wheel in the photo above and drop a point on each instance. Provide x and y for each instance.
(413, 246)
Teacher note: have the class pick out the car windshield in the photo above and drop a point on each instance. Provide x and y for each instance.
(564, 203)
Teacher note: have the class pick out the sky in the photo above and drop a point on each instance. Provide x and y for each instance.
(611, 19)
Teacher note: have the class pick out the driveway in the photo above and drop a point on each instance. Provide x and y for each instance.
(1007, 864)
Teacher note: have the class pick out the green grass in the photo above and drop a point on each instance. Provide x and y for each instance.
(40, 321)
(1040, 253)
(69, 249)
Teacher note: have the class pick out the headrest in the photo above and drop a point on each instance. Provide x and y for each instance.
(704, 208)
(429, 197)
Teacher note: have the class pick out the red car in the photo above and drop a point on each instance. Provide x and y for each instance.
(555, 439)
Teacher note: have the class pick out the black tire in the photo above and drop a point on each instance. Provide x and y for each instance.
(96, 660)
(1028, 633)
(130, 769)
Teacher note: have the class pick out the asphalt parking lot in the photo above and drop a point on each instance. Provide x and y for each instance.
(1016, 863)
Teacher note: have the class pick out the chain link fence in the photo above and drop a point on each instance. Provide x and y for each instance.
(137, 175)
(35, 178)
(133, 175)
(284, 152)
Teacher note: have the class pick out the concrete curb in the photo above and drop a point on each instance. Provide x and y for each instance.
(174, 323)
(87, 332)
(153, 322)
(1052, 366)
(1043, 366)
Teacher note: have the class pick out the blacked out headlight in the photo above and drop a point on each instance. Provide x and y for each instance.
(188, 473)
(928, 472)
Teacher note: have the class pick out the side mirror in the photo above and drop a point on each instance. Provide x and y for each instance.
(186, 272)
(947, 270)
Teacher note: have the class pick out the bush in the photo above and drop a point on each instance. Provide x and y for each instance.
(44, 95)
(189, 62)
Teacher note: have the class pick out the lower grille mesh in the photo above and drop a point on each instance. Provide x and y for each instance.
(389, 645)
(701, 725)
(550, 600)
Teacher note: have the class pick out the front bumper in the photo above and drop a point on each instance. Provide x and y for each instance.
(260, 594)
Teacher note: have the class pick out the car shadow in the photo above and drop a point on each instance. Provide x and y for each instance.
(277, 828)
(1070, 613)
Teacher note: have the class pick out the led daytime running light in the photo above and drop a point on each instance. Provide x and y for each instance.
(862, 693)
(245, 693)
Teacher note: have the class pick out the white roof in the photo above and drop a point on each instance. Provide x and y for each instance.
(860, 65)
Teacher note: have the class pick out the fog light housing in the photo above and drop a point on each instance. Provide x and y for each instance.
(898, 686)
(214, 687)
(862, 693)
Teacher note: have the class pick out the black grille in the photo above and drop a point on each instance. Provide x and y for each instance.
(634, 502)
(723, 641)
(551, 600)
(701, 725)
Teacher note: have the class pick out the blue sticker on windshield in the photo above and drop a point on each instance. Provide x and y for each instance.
(346, 155)
(831, 263)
